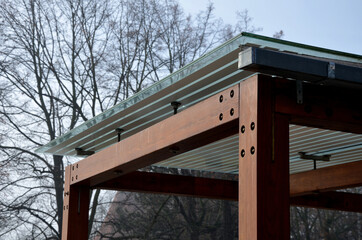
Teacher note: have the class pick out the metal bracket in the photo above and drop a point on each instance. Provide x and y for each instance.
(304, 155)
(246, 57)
(175, 106)
(119, 133)
(81, 152)
(299, 91)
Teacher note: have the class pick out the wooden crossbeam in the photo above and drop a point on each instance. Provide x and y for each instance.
(327, 107)
(159, 183)
(210, 120)
(326, 179)
(305, 183)
(341, 201)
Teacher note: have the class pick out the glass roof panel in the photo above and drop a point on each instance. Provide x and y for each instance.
(204, 77)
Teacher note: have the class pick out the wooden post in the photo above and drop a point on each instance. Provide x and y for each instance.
(263, 163)
(76, 206)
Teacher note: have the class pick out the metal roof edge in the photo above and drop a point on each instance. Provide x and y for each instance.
(301, 45)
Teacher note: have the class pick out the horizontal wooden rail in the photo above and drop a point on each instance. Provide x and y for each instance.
(326, 179)
(306, 188)
(210, 120)
(342, 201)
(161, 183)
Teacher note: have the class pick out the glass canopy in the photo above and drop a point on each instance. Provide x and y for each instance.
(212, 73)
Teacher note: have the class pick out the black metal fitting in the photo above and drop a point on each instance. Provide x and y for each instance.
(175, 106)
(119, 133)
(81, 152)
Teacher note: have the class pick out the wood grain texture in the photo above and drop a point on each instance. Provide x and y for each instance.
(269, 103)
(194, 127)
(263, 174)
(76, 206)
(174, 184)
(66, 203)
(305, 183)
(326, 179)
(159, 183)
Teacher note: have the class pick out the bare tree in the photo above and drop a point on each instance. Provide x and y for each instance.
(48, 63)
(63, 62)
(279, 35)
(243, 24)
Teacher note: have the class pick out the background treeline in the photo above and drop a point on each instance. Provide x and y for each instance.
(63, 62)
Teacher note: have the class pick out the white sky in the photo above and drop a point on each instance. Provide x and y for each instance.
(334, 24)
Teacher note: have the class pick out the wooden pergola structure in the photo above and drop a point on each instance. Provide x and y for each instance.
(260, 90)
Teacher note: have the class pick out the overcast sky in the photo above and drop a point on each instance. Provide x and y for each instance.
(334, 24)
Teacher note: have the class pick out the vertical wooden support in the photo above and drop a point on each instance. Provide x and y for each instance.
(263, 163)
(76, 206)
(66, 203)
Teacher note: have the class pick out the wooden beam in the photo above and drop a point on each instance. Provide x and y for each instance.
(270, 104)
(326, 179)
(159, 183)
(210, 120)
(75, 209)
(325, 107)
(341, 201)
(305, 183)
(263, 163)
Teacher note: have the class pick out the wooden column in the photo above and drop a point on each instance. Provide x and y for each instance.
(263, 163)
(76, 206)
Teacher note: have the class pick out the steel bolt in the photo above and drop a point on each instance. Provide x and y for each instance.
(242, 153)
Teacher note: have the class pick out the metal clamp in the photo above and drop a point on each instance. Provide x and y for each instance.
(81, 152)
(299, 91)
(175, 106)
(315, 158)
(119, 133)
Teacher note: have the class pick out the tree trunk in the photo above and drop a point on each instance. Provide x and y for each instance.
(58, 174)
